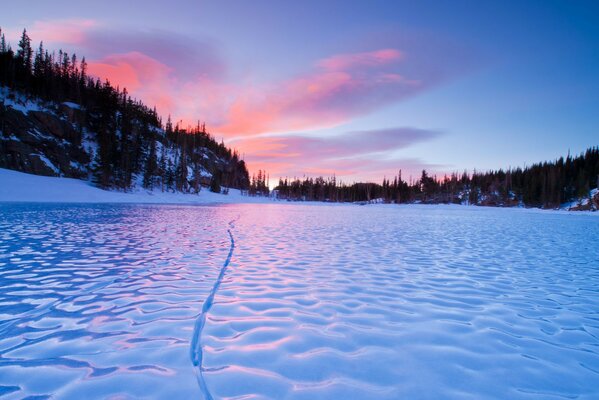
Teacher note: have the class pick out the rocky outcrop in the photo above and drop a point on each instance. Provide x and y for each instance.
(42, 142)
(72, 113)
(49, 123)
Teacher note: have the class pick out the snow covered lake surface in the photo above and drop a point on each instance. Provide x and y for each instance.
(304, 302)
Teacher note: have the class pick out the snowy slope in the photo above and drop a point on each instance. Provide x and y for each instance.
(20, 187)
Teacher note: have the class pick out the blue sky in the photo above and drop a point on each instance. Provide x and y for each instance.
(488, 84)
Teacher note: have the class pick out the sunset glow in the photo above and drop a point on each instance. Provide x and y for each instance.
(276, 199)
(296, 112)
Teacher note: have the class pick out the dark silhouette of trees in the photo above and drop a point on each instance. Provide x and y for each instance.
(25, 54)
(546, 185)
(259, 184)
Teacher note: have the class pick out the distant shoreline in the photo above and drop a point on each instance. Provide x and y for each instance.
(20, 187)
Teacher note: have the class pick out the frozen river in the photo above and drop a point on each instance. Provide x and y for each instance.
(297, 302)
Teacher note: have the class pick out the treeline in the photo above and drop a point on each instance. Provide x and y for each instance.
(259, 184)
(132, 145)
(546, 185)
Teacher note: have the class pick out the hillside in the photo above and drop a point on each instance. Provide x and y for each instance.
(55, 120)
(27, 188)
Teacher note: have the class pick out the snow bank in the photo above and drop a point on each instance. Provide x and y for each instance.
(20, 187)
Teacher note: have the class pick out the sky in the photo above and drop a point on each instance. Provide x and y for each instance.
(355, 89)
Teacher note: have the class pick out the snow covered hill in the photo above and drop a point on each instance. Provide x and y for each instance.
(115, 143)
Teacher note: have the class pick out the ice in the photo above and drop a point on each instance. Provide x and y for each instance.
(304, 302)
(407, 302)
(100, 301)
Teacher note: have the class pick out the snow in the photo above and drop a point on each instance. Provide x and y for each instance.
(76, 165)
(89, 144)
(584, 201)
(205, 174)
(72, 105)
(48, 163)
(19, 101)
(11, 137)
(275, 301)
(20, 187)
(406, 302)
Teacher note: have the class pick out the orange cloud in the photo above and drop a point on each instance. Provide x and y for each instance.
(186, 77)
(143, 76)
(342, 87)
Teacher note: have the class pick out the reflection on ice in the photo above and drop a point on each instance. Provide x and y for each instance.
(100, 301)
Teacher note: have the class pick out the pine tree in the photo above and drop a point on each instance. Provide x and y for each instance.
(3, 47)
(25, 53)
(150, 167)
(38, 65)
(83, 71)
(215, 182)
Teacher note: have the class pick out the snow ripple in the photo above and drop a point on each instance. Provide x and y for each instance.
(301, 302)
(100, 301)
(419, 303)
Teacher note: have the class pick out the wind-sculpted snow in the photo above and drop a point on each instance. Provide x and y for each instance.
(406, 302)
(100, 301)
(307, 302)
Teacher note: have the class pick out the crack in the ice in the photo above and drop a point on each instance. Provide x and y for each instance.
(196, 350)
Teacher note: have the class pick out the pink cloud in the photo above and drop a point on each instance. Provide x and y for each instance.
(54, 33)
(143, 76)
(349, 155)
(346, 145)
(347, 170)
(68, 31)
(187, 78)
(342, 62)
(340, 88)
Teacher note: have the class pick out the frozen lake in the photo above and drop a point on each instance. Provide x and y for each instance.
(315, 302)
